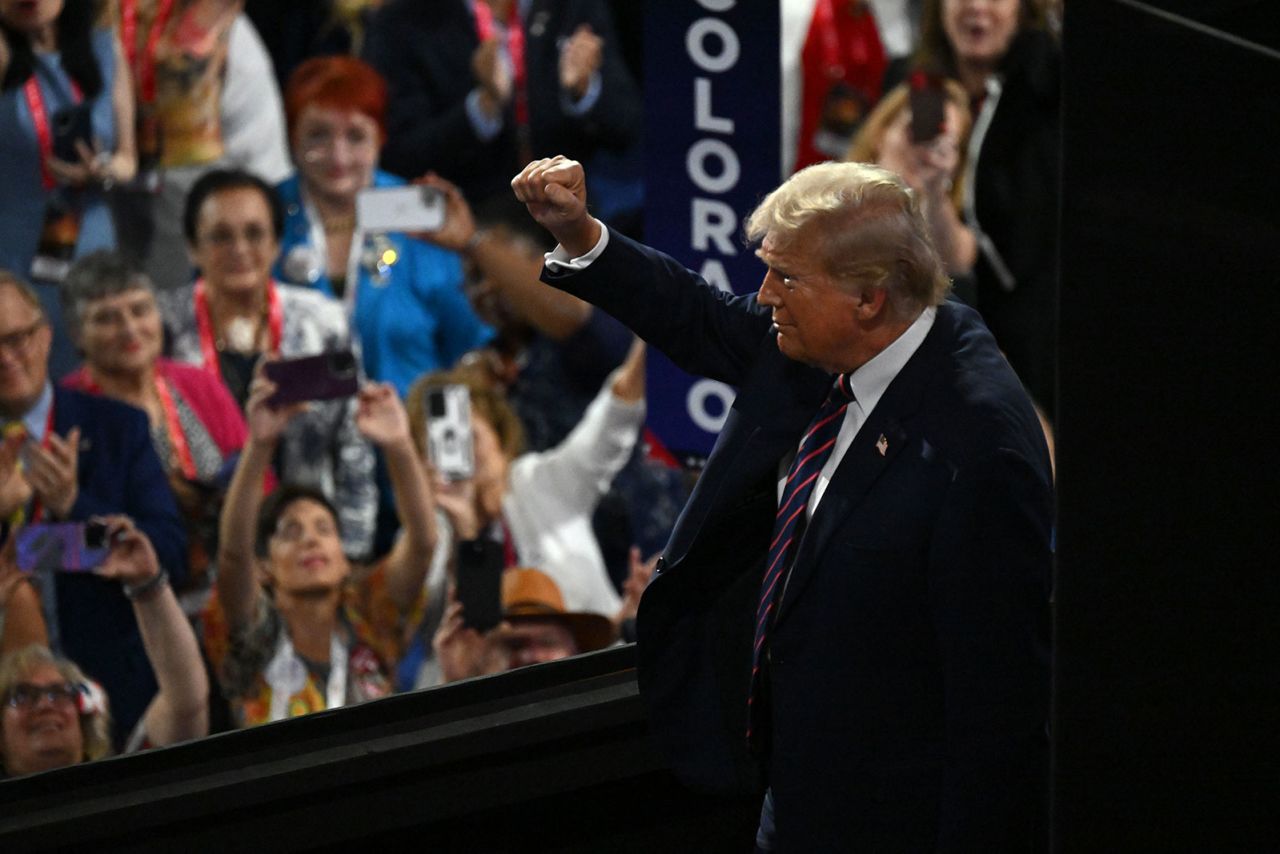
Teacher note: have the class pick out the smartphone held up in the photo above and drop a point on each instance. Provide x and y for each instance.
(328, 376)
(62, 547)
(449, 446)
(928, 100)
(409, 208)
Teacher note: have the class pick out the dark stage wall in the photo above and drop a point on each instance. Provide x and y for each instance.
(1169, 313)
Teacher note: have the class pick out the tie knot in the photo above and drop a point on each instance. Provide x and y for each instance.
(842, 389)
(14, 428)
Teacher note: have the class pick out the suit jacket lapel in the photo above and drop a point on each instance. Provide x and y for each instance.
(765, 424)
(879, 441)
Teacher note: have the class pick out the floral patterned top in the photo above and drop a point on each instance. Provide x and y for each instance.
(265, 680)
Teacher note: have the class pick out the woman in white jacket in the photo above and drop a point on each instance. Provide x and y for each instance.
(539, 505)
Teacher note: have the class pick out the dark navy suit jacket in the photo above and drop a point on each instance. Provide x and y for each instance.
(118, 472)
(909, 675)
(424, 49)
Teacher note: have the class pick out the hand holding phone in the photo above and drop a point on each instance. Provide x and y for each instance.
(130, 559)
(928, 100)
(449, 446)
(62, 547)
(72, 125)
(328, 376)
(479, 583)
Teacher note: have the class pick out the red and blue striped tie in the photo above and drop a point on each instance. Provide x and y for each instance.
(815, 448)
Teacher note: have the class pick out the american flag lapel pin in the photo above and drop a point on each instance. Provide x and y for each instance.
(882, 445)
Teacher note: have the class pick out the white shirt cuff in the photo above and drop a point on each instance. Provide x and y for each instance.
(558, 260)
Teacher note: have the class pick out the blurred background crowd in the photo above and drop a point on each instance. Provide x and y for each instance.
(179, 226)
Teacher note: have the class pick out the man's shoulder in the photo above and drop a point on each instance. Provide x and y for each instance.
(976, 404)
(74, 402)
(96, 414)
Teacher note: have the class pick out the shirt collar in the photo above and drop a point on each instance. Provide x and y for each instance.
(38, 415)
(870, 381)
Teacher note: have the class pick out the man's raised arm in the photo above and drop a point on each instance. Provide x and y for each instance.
(555, 192)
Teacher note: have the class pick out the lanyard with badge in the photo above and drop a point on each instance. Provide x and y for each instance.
(61, 225)
(209, 341)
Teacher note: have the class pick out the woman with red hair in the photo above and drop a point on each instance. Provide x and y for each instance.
(404, 296)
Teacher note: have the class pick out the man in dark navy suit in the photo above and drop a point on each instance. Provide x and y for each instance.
(858, 587)
(83, 456)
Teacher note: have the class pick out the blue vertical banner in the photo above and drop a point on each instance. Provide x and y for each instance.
(712, 150)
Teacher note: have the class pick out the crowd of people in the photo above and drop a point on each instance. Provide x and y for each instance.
(179, 185)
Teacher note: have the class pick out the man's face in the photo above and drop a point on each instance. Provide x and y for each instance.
(538, 641)
(815, 318)
(24, 353)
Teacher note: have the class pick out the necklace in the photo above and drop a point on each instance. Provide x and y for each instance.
(239, 335)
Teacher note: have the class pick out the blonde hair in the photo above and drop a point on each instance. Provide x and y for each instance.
(871, 232)
(865, 147)
(95, 726)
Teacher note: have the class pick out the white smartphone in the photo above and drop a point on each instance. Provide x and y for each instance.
(449, 431)
(411, 208)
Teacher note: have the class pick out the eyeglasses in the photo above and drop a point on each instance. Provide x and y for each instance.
(322, 142)
(27, 696)
(17, 342)
(255, 235)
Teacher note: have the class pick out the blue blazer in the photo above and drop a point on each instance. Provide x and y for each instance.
(909, 676)
(118, 472)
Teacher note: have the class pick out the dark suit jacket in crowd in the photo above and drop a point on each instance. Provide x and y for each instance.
(910, 656)
(424, 48)
(119, 472)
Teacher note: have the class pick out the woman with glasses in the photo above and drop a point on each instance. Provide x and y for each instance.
(53, 715)
(196, 426)
(236, 313)
(404, 296)
(301, 631)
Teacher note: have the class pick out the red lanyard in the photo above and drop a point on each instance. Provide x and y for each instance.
(204, 325)
(515, 49)
(177, 438)
(40, 118)
(37, 510)
(144, 67)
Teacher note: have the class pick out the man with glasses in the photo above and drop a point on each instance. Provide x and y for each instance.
(66, 457)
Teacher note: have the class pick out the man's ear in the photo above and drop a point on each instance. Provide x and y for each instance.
(870, 302)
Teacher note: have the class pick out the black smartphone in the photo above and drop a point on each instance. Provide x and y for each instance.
(928, 101)
(71, 125)
(328, 376)
(479, 583)
(62, 547)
